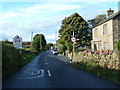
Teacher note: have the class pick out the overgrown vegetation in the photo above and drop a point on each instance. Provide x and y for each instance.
(74, 23)
(108, 74)
(118, 46)
(12, 60)
(38, 43)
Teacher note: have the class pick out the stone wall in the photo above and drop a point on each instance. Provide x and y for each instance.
(111, 61)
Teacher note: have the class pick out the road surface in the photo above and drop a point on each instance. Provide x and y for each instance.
(53, 71)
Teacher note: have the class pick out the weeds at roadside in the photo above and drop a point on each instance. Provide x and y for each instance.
(108, 74)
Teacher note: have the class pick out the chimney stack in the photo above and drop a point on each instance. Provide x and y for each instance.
(110, 12)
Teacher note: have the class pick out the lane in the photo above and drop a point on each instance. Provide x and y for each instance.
(65, 76)
(53, 71)
(30, 76)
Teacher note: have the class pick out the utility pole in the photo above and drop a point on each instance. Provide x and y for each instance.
(31, 41)
(73, 50)
(40, 43)
(55, 39)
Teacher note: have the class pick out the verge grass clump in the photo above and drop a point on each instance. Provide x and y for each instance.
(105, 73)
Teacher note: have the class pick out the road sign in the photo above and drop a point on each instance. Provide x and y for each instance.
(17, 42)
(73, 39)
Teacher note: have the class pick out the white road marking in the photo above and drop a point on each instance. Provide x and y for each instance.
(36, 73)
(40, 73)
(46, 63)
(49, 74)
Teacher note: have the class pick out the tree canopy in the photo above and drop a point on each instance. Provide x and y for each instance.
(96, 20)
(80, 27)
(38, 43)
(48, 46)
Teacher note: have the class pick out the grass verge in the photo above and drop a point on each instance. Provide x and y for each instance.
(12, 60)
(107, 74)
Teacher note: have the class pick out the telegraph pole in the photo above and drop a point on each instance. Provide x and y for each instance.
(56, 39)
(73, 50)
(40, 43)
(31, 40)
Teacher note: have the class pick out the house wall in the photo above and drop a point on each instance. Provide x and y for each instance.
(100, 39)
(116, 29)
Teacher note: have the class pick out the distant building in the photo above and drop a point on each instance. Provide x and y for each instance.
(106, 33)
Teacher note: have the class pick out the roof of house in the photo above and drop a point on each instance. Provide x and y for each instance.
(109, 18)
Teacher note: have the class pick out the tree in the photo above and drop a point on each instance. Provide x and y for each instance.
(48, 46)
(96, 20)
(38, 43)
(80, 27)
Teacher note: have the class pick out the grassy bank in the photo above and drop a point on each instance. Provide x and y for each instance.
(108, 74)
(12, 60)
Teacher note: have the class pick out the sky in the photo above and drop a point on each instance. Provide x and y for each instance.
(45, 16)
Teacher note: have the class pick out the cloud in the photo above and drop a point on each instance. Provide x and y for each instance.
(41, 8)
(24, 29)
(9, 15)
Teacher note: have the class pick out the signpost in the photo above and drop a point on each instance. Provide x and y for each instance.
(73, 39)
(17, 42)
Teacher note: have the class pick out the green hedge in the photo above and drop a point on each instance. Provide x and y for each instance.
(118, 46)
(12, 60)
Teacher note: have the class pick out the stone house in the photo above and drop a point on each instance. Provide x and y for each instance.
(106, 34)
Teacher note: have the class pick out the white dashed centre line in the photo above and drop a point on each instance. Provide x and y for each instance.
(49, 74)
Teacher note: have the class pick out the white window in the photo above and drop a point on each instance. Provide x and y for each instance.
(105, 31)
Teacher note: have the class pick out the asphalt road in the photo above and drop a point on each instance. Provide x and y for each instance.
(53, 71)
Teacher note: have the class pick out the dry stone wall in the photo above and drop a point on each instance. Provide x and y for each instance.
(111, 61)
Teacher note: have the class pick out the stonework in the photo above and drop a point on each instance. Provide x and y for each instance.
(106, 37)
(111, 61)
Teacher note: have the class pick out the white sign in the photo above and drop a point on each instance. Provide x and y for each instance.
(17, 42)
(73, 39)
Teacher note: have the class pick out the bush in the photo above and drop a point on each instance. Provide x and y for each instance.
(80, 50)
(118, 46)
(12, 60)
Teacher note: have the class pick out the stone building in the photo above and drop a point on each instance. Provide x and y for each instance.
(106, 33)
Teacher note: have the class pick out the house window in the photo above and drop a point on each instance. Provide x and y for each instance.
(105, 46)
(95, 32)
(105, 31)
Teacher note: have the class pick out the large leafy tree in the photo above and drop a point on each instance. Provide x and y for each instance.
(80, 27)
(48, 46)
(38, 43)
(97, 19)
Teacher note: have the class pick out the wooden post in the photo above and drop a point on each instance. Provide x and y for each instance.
(20, 51)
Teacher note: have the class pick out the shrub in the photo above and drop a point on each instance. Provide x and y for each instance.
(118, 46)
(12, 60)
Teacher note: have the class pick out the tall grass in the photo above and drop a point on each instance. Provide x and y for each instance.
(12, 60)
(108, 74)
